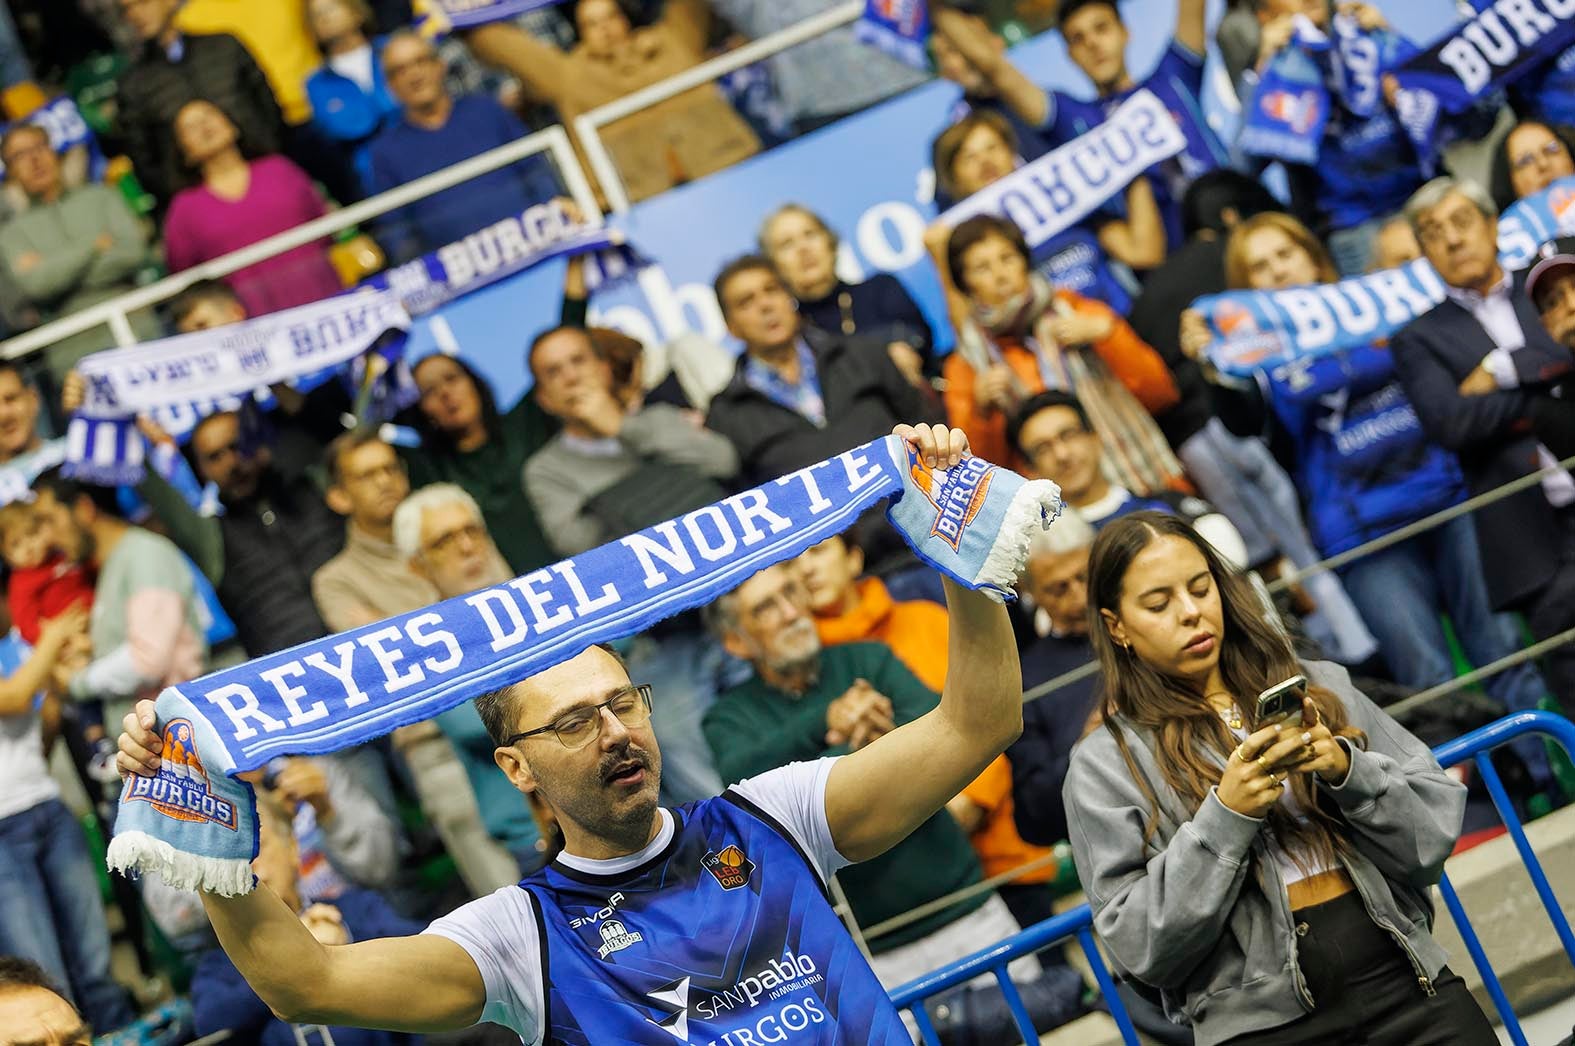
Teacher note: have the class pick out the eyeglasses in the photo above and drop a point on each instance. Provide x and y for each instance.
(1462, 219)
(1059, 439)
(576, 729)
(443, 544)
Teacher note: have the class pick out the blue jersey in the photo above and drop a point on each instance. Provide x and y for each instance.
(1177, 81)
(1074, 260)
(724, 936)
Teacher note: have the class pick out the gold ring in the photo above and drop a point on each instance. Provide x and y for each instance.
(1241, 757)
(1265, 764)
(1278, 780)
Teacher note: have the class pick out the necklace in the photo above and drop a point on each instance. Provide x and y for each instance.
(1231, 715)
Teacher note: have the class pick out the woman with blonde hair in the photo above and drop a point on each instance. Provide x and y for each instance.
(1269, 876)
(1365, 468)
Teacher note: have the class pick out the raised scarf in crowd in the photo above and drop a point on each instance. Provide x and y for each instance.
(67, 131)
(900, 28)
(1502, 42)
(1288, 111)
(1136, 452)
(435, 18)
(1255, 330)
(195, 825)
(1061, 188)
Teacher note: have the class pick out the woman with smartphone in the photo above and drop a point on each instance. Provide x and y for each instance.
(1268, 875)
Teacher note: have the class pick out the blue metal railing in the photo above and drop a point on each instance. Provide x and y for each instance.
(1079, 922)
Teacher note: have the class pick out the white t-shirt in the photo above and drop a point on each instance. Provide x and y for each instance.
(499, 932)
(355, 66)
(24, 776)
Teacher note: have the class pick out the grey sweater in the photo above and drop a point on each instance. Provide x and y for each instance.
(1201, 913)
(563, 476)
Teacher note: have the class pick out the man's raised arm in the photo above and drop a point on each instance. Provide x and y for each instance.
(878, 795)
(416, 984)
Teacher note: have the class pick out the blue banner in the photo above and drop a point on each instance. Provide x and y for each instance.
(1255, 330)
(901, 28)
(433, 18)
(67, 131)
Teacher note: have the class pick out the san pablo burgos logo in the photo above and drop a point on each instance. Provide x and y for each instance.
(780, 978)
(615, 935)
(180, 790)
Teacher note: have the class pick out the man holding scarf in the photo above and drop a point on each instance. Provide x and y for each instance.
(578, 733)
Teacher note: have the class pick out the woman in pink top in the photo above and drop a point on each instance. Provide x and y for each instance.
(239, 202)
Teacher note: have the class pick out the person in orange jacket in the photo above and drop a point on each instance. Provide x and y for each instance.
(1023, 336)
(851, 607)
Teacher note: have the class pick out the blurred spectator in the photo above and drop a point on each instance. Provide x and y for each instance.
(1096, 41)
(1366, 165)
(1056, 438)
(807, 701)
(147, 629)
(50, 910)
(804, 251)
(370, 579)
(1395, 244)
(1551, 287)
(301, 425)
(441, 531)
(32, 1008)
(850, 607)
(980, 149)
(223, 1001)
(824, 78)
(437, 131)
(173, 68)
(349, 95)
(1476, 368)
(686, 137)
(1365, 468)
(43, 583)
(14, 68)
(1057, 581)
(71, 247)
(971, 55)
(1027, 335)
(19, 406)
(240, 202)
(1531, 157)
(261, 552)
(798, 395)
(466, 441)
(611, 471)
(279, 36)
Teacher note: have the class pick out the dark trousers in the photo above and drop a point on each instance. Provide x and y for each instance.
(1366, 993)
(1552, 610)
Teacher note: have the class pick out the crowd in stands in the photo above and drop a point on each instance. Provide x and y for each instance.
(1079, 359)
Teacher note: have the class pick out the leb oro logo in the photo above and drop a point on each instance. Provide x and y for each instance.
(180, 790)
(957, 493)
(730, 867)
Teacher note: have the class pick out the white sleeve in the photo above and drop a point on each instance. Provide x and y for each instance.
(1220, 532)
(503, 938)
(795, 795)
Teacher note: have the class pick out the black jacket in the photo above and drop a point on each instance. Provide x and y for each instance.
(1052, 724)
(1495, 435)
(1195, 269)
(865, 396)
(273, 543)
(215, 67)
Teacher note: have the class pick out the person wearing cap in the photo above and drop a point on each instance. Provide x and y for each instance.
(1479, 368)
(1551, 287)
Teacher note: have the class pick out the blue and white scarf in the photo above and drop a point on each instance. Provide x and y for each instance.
(1291, 106)
(803, 397)
(195, 824)
(1061, 188)
(1503, 42)
(900, 28)
(435, 18)
(1258, 330)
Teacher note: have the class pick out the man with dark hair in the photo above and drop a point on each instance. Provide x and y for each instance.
(172, 68)
(798, 395)
(205, 305)
(147, 629)
(33, 1011)
(369, 579)
(19, 407)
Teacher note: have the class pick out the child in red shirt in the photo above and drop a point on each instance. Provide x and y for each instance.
(43, 582)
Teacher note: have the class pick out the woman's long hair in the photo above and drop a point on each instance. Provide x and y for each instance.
(1236, 277)
(1191, 742)
(442, 442)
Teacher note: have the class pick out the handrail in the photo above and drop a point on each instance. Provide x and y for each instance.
(586, 126)
(1078, 922)
(554, 140)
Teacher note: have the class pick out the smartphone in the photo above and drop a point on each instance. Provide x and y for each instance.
(1282, 703)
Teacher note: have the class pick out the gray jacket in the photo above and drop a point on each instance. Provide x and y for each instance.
(1201, 913)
